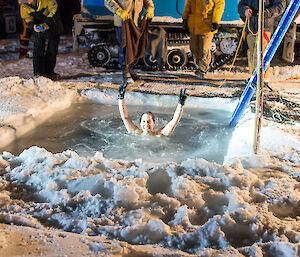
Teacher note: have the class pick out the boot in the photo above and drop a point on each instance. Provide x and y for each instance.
(54, 76)
(23, 53)
(161, 68)
(133, 75)
(199, 74)
(127, 79)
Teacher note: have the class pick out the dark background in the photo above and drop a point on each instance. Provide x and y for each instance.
(9, 10)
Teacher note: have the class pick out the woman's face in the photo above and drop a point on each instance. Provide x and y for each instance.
(147, 122)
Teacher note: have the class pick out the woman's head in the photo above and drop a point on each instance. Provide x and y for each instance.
(147, 122)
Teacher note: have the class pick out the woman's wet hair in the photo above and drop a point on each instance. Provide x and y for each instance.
(149, 113)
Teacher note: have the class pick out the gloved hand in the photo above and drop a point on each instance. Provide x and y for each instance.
(122, 90)
(185, 26)
(41, 28)
(248, 12)
(182, 96)
(149, 14)
(123, 14)
(214, 26)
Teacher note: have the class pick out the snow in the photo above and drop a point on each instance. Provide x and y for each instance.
(25, 103)
(249, 206)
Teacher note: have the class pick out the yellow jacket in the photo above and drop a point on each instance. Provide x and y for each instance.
(133, 7)
(44, 11)
(201, 14)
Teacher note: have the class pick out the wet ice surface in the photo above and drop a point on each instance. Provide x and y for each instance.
(88, 128)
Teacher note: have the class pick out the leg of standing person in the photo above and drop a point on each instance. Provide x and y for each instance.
(119, 38)
(125, 71)
(39, 54)
(194, 42)
(24, 40)
(205, 44)
(200, 46)
(251, 42)
(252, 53)
(50, 57)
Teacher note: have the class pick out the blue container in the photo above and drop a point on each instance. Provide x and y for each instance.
(172, 8)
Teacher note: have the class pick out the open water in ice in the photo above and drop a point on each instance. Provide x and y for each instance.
(90, 127)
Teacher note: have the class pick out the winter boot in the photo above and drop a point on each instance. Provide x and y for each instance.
(127, 79)
(23, 53)
(161, 68)
(133, 75)
(54, 76)
(199, 74)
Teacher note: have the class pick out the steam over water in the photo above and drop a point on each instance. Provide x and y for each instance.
(89, 127)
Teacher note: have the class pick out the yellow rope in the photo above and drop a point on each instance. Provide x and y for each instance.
(234, 59)
(292, 78)
(248, 26)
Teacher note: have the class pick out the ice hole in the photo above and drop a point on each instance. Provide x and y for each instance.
(90, 127)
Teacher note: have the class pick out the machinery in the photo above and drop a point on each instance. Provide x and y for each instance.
(10, 22)
(94, 27)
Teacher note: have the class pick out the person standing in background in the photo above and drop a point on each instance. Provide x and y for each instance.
(202, 18)
(124, 10)
(43, 18)
(248, 9)
(24, 39)
(286, 49)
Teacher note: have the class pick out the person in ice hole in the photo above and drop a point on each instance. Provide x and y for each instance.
(147, 120)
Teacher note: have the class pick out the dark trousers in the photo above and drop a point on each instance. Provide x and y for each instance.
(44, 58)
(119, 38)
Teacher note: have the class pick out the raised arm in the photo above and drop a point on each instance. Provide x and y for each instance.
(169, 128)
(124, 114)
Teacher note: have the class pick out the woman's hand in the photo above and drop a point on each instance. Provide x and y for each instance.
(182, 96)
(122, 90)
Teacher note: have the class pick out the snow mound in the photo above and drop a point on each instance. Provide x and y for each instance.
(195, 206)
(26, 103)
